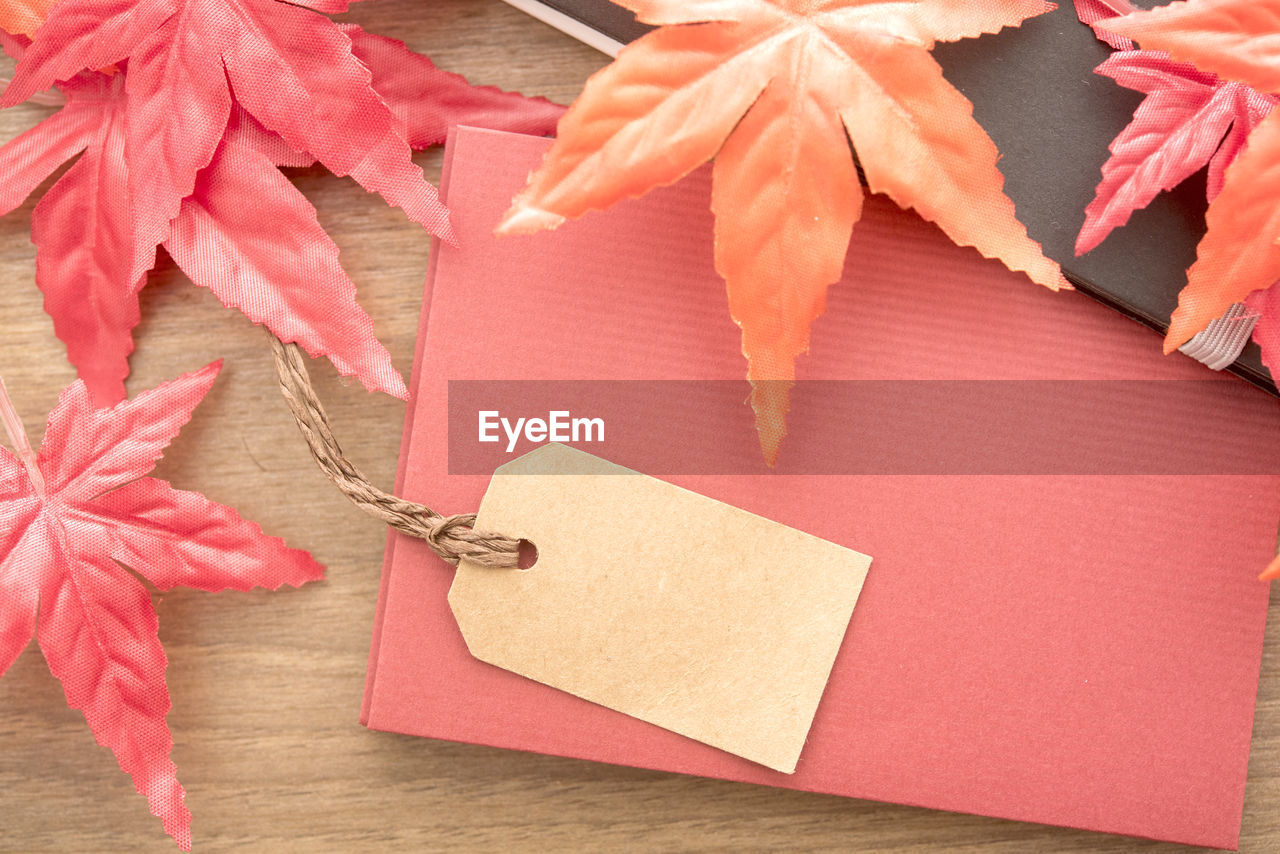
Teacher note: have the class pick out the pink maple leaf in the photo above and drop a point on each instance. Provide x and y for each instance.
(71, 519)
(1192, 117)
(1092, 11)
(270, 259)
(81, 227)
(292, 69)
(1189, 118)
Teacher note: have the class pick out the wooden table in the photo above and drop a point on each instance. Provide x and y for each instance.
(266, 686)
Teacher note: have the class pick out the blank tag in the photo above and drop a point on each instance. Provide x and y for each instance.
(660, 603)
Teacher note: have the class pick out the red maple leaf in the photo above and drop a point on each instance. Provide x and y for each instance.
(430, 100)
(775, 91)
(292, 69)
(1239, 254)
(1092, 11)
(270, 258)
(81, 227)
(1189, 118)
(71, 519)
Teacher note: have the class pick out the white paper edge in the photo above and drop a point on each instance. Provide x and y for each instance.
(571, 26)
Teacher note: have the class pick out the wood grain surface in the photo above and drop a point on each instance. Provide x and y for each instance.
(266, 686)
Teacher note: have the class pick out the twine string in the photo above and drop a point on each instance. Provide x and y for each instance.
(451, 537)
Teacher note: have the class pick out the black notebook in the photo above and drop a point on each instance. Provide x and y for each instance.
(1034, 91)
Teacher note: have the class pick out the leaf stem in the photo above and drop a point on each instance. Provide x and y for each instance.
(18, 438)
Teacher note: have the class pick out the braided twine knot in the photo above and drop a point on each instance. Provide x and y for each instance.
(451, 537)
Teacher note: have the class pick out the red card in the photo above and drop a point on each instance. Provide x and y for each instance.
(1075, 649)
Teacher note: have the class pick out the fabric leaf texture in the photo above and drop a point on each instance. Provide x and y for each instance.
(290, 67)
(78, 512)
(82, 227)
(1092, 11)
(775, 91)
(430, 100)
(268, 258)
(1188, 120)
(1236, 40)
(22, 17)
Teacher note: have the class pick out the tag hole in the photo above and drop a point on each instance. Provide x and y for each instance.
(527, 555)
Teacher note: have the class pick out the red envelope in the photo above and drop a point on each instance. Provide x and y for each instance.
(1073, 649)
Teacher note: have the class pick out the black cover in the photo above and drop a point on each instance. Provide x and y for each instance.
(601, 15)
(1034, 90)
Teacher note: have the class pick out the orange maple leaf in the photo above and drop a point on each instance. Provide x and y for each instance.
(22, 17)
(775, 90)
(1237, 40)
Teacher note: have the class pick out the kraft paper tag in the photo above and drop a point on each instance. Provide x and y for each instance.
(665, 605)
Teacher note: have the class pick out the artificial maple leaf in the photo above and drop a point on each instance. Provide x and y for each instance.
(1239, 254)
(71, 519)
(430, 100)
(21, 17)
(82, 226)
(1092, 11)
(292, 69)
(1265, 305)
(1189, 118)
(270, 259)
(775, 90)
